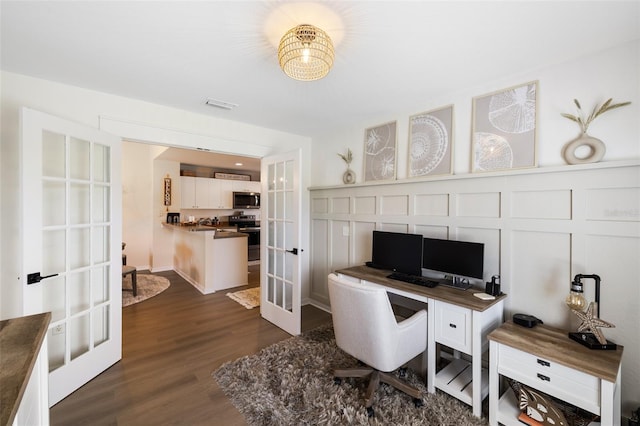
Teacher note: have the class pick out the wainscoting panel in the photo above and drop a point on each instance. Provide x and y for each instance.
(320, 237)
(613, 204)
(319, 205)
(541, 204)
(340, 205)
(478, 205)
(365, 205)
(541, 266)
(540, 227)
(394, 205)
(431, 205)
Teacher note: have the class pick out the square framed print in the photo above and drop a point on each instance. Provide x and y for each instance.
(503, 132)
(380, 152)
(430, 142)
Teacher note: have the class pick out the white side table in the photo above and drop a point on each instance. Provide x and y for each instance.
(546, 359)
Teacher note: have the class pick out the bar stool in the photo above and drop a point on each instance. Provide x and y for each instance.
(126, 270)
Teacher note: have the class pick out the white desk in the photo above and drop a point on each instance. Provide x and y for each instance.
(456, 319)
(546, 359)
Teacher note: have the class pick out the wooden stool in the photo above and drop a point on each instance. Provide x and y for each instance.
(126, 270)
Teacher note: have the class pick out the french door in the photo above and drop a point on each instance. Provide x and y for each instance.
(71, 242)
(281, 252)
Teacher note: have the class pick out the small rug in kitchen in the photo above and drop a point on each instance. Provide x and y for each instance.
(249, 298)
(147, 287)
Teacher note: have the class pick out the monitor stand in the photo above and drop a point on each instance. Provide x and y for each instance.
(456, 282)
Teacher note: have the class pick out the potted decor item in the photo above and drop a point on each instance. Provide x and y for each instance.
(595, 145)
(349, 176)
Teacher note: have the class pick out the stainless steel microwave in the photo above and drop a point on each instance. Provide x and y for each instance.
(246, 200)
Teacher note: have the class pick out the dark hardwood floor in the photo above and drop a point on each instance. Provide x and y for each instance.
(171, 345)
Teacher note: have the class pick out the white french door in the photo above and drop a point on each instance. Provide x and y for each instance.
(71, 241)
(280, 250)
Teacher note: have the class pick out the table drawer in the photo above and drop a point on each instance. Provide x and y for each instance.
(570, 385)
(453, 326)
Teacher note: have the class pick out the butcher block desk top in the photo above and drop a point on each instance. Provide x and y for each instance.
(555, 345)
(20, 342)
(464, 298)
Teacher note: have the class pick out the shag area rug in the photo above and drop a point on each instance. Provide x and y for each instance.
(148, 286)
(249, 298)
(291, 383)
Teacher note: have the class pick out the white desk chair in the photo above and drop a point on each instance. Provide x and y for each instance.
(365, 328)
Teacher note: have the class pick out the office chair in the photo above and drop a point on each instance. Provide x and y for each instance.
(365, 328)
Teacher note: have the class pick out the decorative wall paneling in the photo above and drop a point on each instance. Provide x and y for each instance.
(540, 227)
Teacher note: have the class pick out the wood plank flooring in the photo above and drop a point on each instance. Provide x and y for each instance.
(171, 345)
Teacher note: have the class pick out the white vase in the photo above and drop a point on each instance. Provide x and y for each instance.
(596, 148)
(349, 177)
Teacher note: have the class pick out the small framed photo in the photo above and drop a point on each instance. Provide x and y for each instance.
(430, 142)
(503, 132)
(380, 152)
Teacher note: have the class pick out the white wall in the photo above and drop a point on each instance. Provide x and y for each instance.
(614, 73)
(171, 126)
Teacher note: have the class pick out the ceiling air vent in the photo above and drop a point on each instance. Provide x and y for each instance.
(221, 104)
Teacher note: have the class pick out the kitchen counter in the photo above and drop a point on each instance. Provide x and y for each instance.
(20, 343)
(228, 229)
(210, 258)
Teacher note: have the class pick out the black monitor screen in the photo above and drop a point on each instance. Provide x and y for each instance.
(458, 258)
(397, 252)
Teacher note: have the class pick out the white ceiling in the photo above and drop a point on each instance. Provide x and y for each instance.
(390, 55)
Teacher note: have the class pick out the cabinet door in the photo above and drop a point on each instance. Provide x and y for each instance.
(246, 186)
(214, 193)
(202, 193)
(188, 192)
(226, 194)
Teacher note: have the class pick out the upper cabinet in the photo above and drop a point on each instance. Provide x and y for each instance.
(246, 186)
(208, 193)
(195, 193)
(221, 193)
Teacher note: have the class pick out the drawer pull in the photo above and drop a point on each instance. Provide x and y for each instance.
(543, 362)
(543, 377)
(452, 325)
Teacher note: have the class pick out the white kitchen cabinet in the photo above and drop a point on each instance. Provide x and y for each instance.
(195, 193)
(246, 186)
(210, 260)
(221, 193)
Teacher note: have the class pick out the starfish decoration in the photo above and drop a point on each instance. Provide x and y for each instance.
(592, 323)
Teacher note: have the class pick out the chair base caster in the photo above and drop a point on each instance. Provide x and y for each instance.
(370, 412)
(418, 402)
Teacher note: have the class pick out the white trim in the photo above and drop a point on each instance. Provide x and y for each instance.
(142, 132)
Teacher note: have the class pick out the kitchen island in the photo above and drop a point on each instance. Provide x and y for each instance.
(210, 259)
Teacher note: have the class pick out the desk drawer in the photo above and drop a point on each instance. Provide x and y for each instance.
(453, 326)
(565, 383)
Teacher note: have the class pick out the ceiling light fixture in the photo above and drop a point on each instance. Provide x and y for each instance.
(221, 104)
(306, 53)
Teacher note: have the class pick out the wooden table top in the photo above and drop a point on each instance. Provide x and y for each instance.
(463, 298)
(554, 344)
(20, 342)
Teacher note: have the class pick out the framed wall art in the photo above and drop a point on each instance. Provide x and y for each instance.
(167, 191)
(504, 129)
(430, 142)
(380, 152)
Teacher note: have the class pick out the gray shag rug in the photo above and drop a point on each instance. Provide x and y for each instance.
(147, 287)
(291, 383)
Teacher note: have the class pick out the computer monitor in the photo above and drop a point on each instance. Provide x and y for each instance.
(459, 259)
(397, 252)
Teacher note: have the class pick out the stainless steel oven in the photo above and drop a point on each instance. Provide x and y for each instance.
(247, 225)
